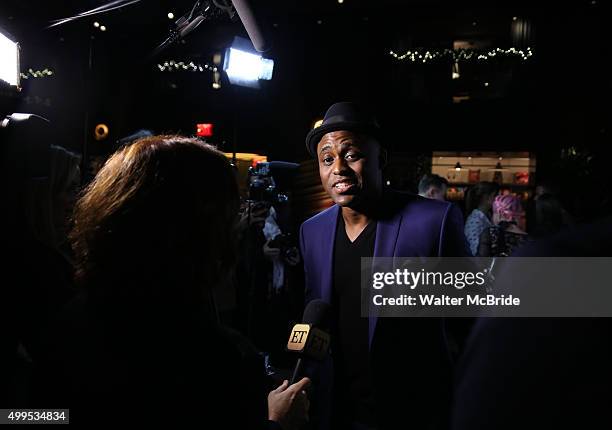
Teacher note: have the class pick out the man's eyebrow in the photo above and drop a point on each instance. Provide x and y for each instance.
(343, 145)
(327, 146)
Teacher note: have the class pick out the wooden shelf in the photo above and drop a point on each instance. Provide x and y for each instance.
(468, 184)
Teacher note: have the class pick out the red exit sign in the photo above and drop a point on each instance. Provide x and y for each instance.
(204, 130)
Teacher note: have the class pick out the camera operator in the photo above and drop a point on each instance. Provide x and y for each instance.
(279, 249)
(264, 280)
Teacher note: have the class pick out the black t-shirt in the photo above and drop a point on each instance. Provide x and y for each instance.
(353, 386)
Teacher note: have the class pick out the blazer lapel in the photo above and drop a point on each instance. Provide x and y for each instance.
(387, 231)
(328, 239)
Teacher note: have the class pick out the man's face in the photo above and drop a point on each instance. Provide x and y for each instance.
(350, 168)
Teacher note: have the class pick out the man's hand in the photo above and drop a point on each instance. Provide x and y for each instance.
(288, 405)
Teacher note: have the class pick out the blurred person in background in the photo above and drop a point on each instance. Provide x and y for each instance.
(49, 204)
(552, 202)
(51, 201)
(433, 186)
(508, 230)
(40, 183)
(479, 201)
(550, 217)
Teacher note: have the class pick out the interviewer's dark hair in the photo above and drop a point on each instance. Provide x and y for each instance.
(157, 220)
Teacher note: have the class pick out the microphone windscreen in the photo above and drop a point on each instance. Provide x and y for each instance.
(317, 313)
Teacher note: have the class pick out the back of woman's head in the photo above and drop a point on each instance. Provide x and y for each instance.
(478, 193)
(157, 220)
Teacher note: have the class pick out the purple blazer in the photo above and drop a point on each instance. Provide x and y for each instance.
(413, 227)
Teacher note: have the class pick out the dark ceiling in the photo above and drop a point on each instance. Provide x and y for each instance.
(324, 52)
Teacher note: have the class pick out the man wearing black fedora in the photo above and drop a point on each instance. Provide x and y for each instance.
(385, 373)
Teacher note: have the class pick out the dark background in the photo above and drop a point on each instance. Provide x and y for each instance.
(555, 105)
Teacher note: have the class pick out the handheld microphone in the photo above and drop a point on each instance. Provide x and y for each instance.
(250, 24)
(309, 339)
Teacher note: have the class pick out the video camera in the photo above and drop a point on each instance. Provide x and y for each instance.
(265, 181)
(286, 244)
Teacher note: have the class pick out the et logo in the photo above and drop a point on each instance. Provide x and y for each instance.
(309, 341)
(298, 337)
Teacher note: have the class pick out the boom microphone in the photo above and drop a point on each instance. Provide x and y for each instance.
(191, 26)
(309, 338)
(250, 24)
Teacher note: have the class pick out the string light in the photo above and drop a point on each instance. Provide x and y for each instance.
(457, 55)
(173, 66)
(36, 74)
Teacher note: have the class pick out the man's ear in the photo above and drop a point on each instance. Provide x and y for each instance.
(383, 158)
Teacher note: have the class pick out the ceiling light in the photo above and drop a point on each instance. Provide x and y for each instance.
(9, 60)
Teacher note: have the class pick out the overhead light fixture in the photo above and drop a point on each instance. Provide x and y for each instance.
(498, 168)
(102, 28)
(170, 15)
(9, 60)
(96, 24)
(244, 66)
(458, 166)
(216, 80)
(455, 74)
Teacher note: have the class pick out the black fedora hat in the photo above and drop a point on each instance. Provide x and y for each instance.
(347, 116)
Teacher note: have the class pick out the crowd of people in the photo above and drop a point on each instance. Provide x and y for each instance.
(112, 299)
(496, 221)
